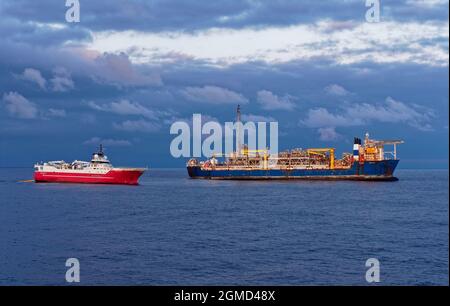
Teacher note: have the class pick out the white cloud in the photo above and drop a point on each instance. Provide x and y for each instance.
(137, 126)
(124, 107)
(427, 3)
(384, 42)
(107, 142)
(62, 84)
(61, 81)
(395, 111)
(18, 106)
(336, 90)
(391, 111)
(34, 76)
(257, 118)
(52, 112)
(328, 134)
(321, 117)
(270, 101)
(213, 95)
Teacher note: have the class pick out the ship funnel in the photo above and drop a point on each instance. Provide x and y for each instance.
(356, 146)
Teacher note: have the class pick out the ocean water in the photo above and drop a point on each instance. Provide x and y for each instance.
(172, 230)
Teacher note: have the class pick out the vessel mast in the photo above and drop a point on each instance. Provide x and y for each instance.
(238, 130)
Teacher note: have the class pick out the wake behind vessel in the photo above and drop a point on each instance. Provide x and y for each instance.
(98, 171)
(369, 161)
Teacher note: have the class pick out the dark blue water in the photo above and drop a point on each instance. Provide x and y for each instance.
(174, 230)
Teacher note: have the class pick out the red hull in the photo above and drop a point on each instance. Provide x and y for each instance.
(123, 177)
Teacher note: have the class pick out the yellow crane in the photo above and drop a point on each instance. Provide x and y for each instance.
(320, 150)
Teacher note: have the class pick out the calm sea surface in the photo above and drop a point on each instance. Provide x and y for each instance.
(174, 230)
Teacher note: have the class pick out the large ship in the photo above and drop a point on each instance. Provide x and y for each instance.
(369, 161)
(98, 171)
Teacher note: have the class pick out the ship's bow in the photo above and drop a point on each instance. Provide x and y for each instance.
(127, 176)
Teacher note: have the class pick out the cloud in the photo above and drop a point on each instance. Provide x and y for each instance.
(213, 95)
(34, 76)
(225, 44)
(423, 4)
(391, 111)
(328, 134)
(116, 69)
(270, 101)
(193, 15)
(104, 69)
(189, 120)
(61, 81)
(88, 118)
(18, 106)
(137, 126)
(39, 34)
(336, 90)
(257, 118)
(124, 107)
(384, 42)
(321, 117)
(107, 142)
(120, 15)
(56, 113)
(395, 111)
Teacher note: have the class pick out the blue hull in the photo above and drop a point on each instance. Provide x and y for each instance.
(377, 170)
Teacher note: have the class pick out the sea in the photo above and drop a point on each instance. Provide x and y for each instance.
(173, 230)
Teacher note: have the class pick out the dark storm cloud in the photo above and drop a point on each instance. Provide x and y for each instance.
(188, 15)
(122, 15)
(106, 68)
(32, 33)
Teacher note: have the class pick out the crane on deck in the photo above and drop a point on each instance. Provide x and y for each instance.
(319, 151)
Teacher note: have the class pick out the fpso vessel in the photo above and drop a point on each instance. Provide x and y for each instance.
(98, 171)
(369, 161)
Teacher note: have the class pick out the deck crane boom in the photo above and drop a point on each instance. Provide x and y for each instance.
(320, 150)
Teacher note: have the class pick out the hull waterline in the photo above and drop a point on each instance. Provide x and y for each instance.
(120, 177)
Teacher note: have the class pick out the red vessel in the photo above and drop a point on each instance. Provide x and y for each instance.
(98, 171)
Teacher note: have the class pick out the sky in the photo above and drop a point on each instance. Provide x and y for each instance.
(129, 69)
